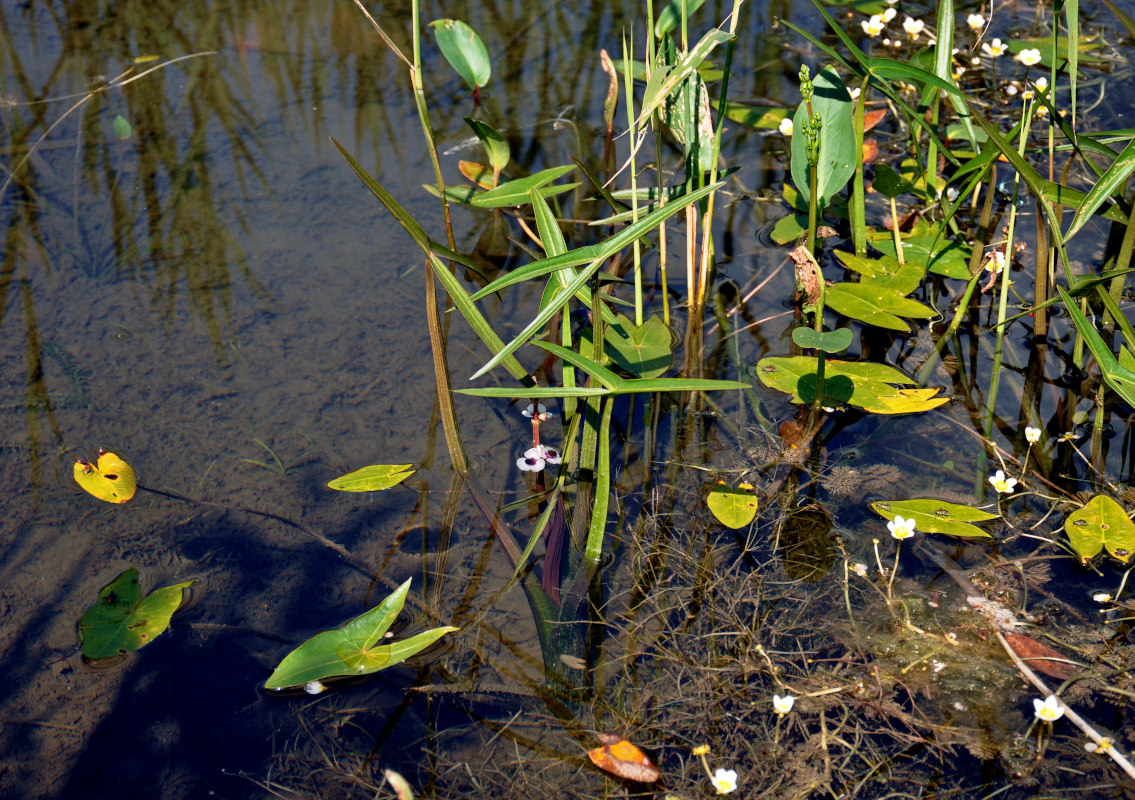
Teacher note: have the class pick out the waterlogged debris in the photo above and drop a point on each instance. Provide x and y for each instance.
(374, 478)
(1101, 524)
(622, 759)
(122, 622)
(353, 649)
(110, 478)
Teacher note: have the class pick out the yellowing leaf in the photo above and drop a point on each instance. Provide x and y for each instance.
(110, 478)
(909, 401)
(373, 478)
(1100, 524)
(734, 508)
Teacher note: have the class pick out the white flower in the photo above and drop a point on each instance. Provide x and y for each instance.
(786, 126)
(995, 261)
(952, 193)
(994, 49)
(1101, 597)
(958, 73)
(901, 528)
(1032, 435)
(1028, 57)
(890, 14)
(1002, 484)
(975, 61)
(314, 687)
(1041, 84)
(976, 22)
(1049, 709)
(874, 26)
(1102, 746)
(549, 454)
(531, 463)
(541, 412)
(782, 705)
(1012, 88)
(724, 780)
(913, 27)
(860, 569)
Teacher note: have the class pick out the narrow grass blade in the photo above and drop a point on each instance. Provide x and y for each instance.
(1120, 379)
(1109, 183)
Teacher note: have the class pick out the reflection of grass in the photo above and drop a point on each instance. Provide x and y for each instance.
(276, 464)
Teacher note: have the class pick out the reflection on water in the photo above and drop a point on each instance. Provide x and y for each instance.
(193, 277)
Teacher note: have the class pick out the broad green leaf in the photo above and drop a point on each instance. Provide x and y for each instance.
(857, 383)
(875, 303)
(837, 139)
(374, 478)
(121, 621)
(937, 516)
(1111, 182)
(762, 117)
(1101, 524)
(496, 146)
(464, 51)
(122, 128)
(734, 508)
(353, 649)
(685, 112)
(927, 247)
(828, 341)
(642, 351)
(109, 478)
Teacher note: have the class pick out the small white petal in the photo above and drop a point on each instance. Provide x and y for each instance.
(314, 687)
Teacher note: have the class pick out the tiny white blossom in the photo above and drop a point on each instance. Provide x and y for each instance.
(995, 261)
(1032, 435)
(786, 126)
(873, 26)
(975, 61)
(1002, 484)
(1101, 597)
(913, 27)
(1029, 57)
(976, 22)
(1012, 88)
(540, 412)
(860, 569)
(952, 193)
(782, 705)
(314, 687)
(889, 14)
(1049, 709)
(724, 780)
(1041, 84)
(1102, 746)
(994, 49)
(901, 528)
(531, 463)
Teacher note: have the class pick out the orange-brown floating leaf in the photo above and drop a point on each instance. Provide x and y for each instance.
(1039, 656)
(873, 118)
(870, 150)
(476, 173)
(622, 759)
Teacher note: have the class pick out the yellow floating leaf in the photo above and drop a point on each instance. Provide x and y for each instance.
(910, 401)
(110, 478)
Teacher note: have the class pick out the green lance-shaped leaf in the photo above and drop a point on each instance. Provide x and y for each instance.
(671, 15)
(937, 516)
(1101, 524)
(1111, 182)
(515, 192)
(464, 51)
(374, 478)
(832, 103)
(734, 507)
(353, 649)
(1119, 378)
(877, 303)
(121, 621)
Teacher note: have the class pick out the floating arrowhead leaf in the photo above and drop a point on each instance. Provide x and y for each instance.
(1100, 524)
(858, 383)
(353, 649)
(644, 351)
(889, 183)
(734, 508)
(937, 516)
(876, 302)
(110, 478)
(930, 249)
(121, 621)
(374, 478)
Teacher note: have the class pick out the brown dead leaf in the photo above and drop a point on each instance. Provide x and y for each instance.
(1041, 657)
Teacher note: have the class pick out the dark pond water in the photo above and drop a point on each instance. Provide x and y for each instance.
(211, 287)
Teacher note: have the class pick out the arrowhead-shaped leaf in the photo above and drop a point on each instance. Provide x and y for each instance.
(734, 508)
(1101, 524)
(122, 622)
(373, 478)
(937, 516)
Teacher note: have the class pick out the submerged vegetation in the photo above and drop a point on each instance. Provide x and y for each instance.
(877, 543)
